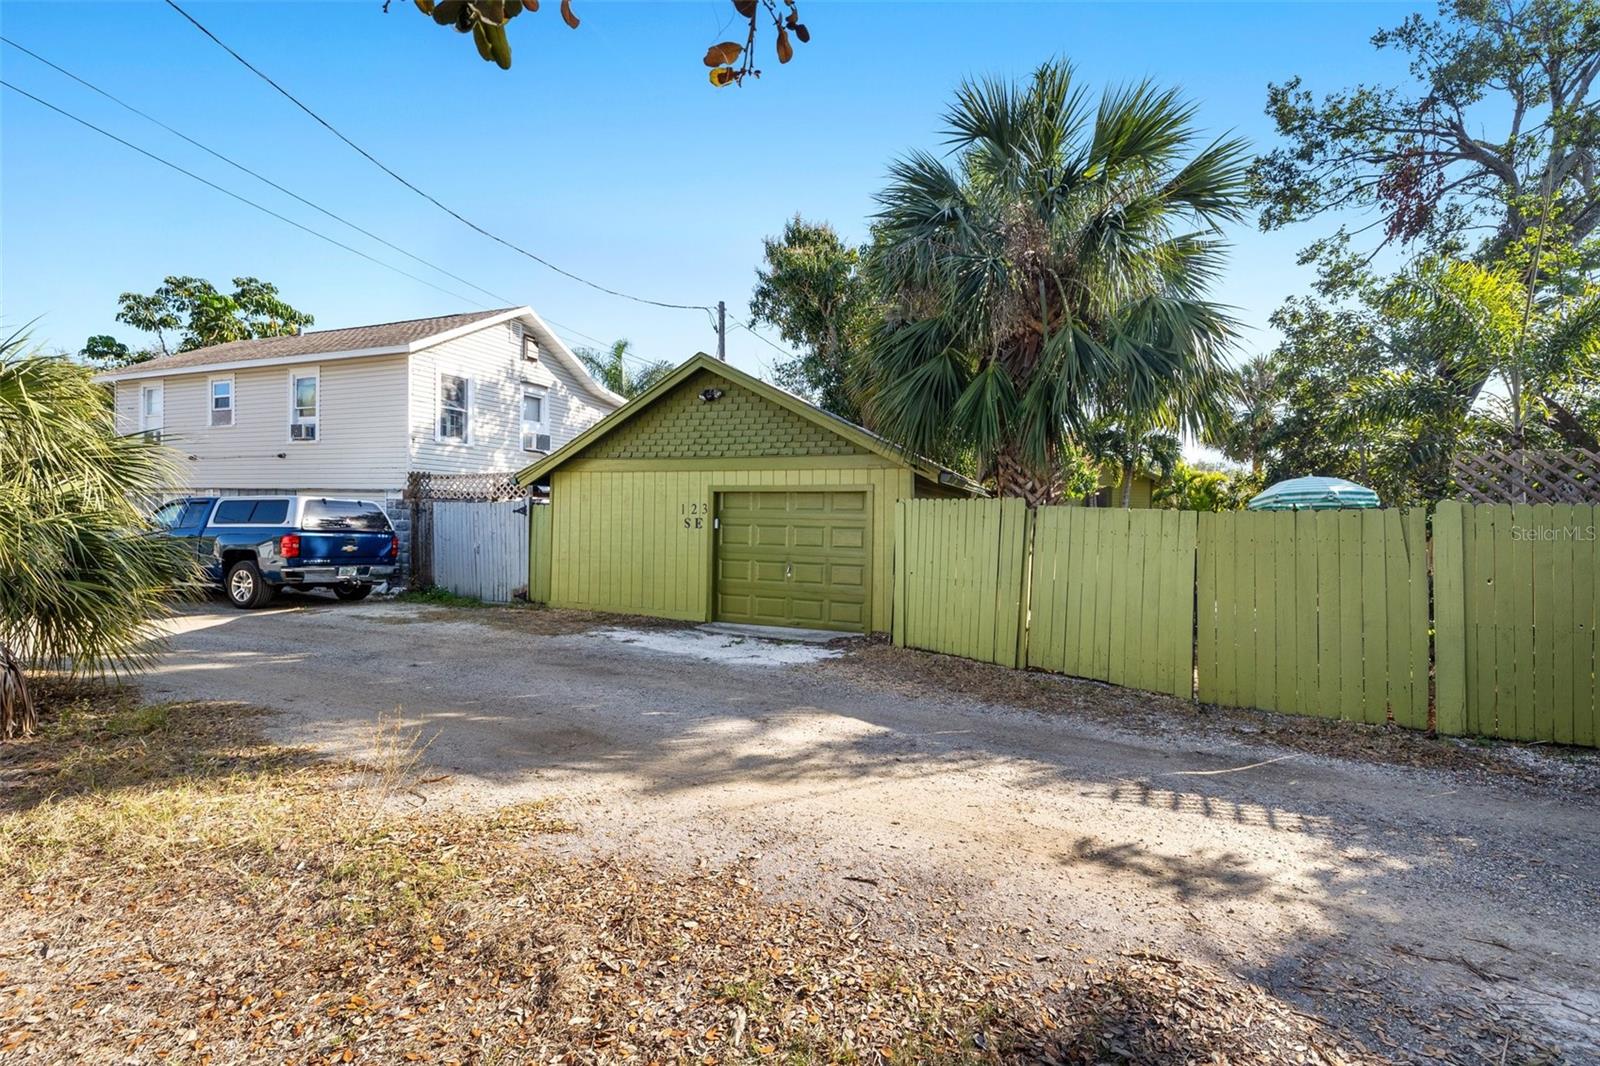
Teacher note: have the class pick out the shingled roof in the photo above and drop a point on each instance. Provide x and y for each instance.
(318, 342)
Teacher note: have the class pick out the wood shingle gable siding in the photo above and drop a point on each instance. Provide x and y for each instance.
(738, 424)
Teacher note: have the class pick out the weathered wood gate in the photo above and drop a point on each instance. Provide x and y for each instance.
(469, 534)
(480, 548)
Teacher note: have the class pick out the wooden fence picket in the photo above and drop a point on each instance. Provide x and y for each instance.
(1486, 627)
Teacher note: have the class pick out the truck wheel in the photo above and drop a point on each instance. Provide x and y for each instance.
(352, 593)
(245, 587)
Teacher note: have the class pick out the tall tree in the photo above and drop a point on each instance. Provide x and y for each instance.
(199, 315)
(104, 350)
(1242, 434)
(1133, 449)
(812, 290)
(610, 368)
(1543, 346)
(1059, 264)
(78, 579)
(1498, 116)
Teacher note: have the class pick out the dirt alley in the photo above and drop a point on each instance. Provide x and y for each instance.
(1435, 914)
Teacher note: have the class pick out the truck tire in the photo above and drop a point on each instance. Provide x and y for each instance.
(245, 588)
(352, 593)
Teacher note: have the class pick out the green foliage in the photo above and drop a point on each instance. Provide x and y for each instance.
(1244, 431)
(1193, 488)
(1131, 452)
(1360, 397)
(610, 368)
(1053, 274)
(1500, 103)
(812, 290)
(107, 352)
(1080, 471)
(79, 579)
(202, 316)
(731, 62)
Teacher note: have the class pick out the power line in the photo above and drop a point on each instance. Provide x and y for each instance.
(642, 361)
(259, 177)
(750, 329)
(419, 191)
(230, 193)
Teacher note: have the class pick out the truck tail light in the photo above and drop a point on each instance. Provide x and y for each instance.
(289, 546)
(394, 545)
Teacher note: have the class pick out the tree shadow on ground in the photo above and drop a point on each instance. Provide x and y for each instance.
(1348, 859)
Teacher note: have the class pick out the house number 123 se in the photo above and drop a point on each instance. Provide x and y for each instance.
(694, 515)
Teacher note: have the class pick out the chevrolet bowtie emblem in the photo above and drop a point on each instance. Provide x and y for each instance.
(348, 548)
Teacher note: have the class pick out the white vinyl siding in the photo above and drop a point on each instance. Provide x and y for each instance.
(377, 417)
(492, 360)
(361, 415)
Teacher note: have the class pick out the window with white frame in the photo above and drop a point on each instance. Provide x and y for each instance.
(305, 401)
(530, 348)
(151, 404)
(535, 424)
(221, 399)
(455, 395)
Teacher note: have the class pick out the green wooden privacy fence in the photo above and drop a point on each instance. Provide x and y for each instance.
(1112, 596)
(1315, 612)
(959, 573)
(539, 552)
(1489, 629)
(1516, 591)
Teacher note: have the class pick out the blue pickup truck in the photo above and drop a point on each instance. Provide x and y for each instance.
(253, 546)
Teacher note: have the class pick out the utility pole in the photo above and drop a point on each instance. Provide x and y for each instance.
(722, 331)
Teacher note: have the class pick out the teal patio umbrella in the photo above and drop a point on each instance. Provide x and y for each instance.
(1314, 494)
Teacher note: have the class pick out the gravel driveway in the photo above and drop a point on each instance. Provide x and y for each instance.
(1436, 915)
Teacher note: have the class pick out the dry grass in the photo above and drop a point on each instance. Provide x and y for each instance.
(184, 892)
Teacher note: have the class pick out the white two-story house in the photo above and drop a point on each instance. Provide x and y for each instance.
(350, 412)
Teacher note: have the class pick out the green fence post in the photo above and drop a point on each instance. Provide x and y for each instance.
(1449, 620)
(897, 624)
(1024, 577)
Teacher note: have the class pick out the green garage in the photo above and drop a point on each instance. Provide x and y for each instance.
(718, 497)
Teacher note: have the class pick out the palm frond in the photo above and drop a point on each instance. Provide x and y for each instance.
(80, 577)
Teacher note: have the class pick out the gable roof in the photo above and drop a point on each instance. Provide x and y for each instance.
(388, 338)
(849, 431)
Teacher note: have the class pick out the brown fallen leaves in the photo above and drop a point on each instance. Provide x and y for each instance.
(929, 675)
(185, 893)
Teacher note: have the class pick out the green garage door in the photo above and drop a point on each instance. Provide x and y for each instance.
(792, 559)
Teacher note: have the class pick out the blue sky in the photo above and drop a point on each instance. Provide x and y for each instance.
(603, 149)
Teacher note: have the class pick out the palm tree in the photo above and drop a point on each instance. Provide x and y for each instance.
(1244, 433)
(79, 577)
(610, 368)
(1134, 449)
(1055, 268)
